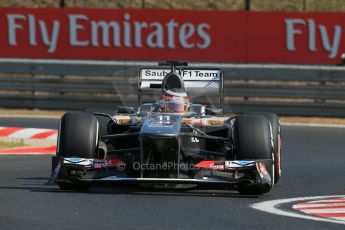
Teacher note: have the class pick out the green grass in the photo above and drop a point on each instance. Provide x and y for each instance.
(258, 5)
(12, 143)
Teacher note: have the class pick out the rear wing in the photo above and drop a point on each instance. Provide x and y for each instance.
(203, 86)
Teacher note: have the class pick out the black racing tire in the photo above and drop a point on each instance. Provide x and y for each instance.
(253, 141)
(77, 135)
(252, 138)
(276, 132)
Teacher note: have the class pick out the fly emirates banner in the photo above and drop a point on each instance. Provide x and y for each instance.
(150, 35)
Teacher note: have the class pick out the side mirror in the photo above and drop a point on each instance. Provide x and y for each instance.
(197, 108)
(146, 108)
(214, 111)
(125, 109)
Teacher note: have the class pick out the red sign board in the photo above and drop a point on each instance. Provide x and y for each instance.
(147, 35)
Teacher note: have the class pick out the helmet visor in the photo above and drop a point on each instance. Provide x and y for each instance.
(174, 107)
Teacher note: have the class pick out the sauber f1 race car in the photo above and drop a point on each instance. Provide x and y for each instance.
(171, 142)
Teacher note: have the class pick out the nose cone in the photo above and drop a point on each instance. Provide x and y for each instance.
(163, 125)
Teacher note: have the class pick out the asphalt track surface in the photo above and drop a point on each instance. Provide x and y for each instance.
(313, 165)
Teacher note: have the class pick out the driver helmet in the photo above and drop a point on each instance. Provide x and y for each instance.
(174, 98)
(174, 104)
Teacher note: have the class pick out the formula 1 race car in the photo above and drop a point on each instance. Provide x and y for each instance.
(170, 142)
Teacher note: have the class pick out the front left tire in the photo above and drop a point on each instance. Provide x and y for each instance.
(253, 141)
(77, 137)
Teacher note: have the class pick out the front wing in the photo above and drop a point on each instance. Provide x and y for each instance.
(209, 174)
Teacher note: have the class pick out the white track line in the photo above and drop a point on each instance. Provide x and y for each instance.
(272, 208)
(339, 218)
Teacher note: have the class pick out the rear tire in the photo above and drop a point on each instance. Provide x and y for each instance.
(253, 141)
